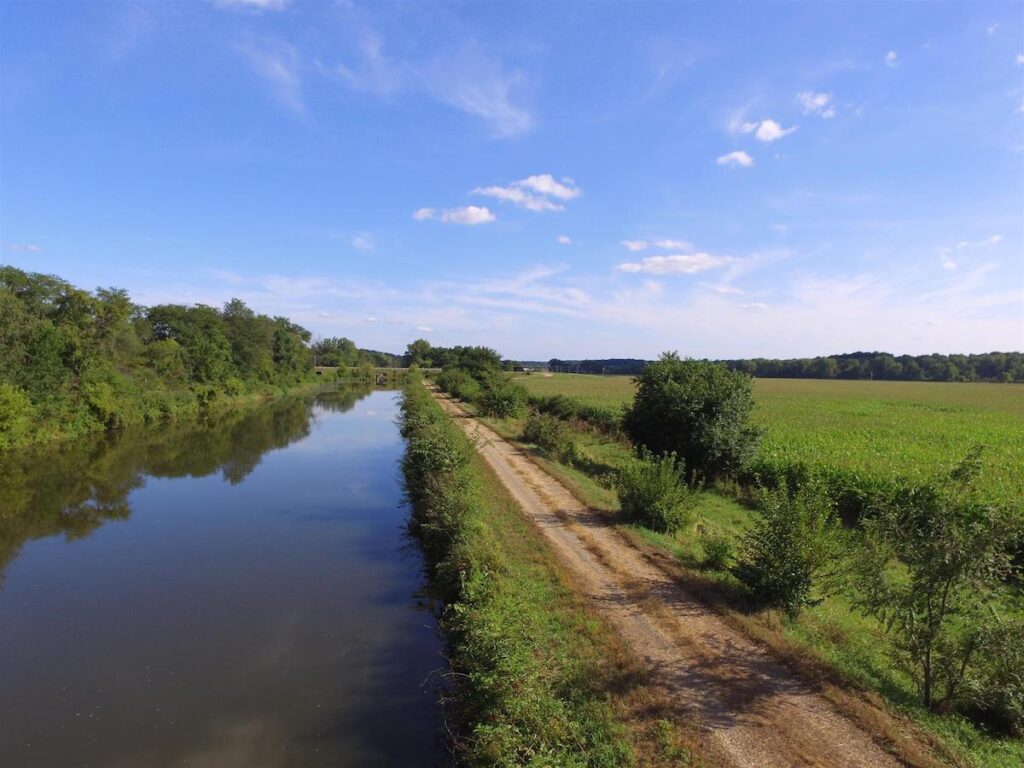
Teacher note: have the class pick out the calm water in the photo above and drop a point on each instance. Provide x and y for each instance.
(238, 594)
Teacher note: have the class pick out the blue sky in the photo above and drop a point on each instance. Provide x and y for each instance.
(605, 179)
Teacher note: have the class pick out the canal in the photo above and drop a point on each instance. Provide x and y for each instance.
(233, 593)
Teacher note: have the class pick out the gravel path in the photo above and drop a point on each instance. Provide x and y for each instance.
(754, 711)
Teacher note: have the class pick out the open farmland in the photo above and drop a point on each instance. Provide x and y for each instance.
(882, 428)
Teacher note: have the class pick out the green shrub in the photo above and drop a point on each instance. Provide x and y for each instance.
(719, 550)
(789, 546)
(994, 691)
(697, 409)
(502, 398)
(552, 435)
(459, 384)
(16, 413)
(653, 493)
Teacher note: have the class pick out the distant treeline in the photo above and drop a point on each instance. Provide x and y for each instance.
(343, 353)
(74, 361)
(989, 366)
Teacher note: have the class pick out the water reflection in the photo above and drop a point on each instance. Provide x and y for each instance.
(265, 617)
(76, 487)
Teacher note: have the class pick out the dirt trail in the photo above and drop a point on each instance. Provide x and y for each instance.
(755, 712)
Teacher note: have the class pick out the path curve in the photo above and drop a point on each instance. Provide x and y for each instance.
(754, 710)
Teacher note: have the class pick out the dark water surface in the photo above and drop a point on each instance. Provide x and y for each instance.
(236, 594)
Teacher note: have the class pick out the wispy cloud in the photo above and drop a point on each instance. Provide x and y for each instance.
(467, 214)
(23, 247)
(363, 242)
(891, 59)
(816, 104)
(468, 79)
(563, 240)
(686, 264)
(663, 243)
(278, 64)
(737, 158)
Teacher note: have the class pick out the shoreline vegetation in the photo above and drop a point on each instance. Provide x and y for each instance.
(842, 624)
(74, 362)
(534, 676)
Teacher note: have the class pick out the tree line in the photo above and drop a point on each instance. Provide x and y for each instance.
(988, 366)
(74, 361)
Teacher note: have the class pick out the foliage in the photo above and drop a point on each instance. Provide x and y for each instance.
(90, 361)
(994, 687)
(653, 492)
(696, 409)
(15, 414)
(459, 384)
(476, 360)
(718, 548)
(552, 435)
(787, 549)
(501, 397)
(988, 366)
(934, 561)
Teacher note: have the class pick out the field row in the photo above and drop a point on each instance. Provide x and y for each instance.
(885, 429)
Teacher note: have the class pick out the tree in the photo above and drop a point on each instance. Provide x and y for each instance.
(934, 557)
(696, 409)
(418, 353)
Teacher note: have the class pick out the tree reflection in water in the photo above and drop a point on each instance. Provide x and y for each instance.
(72, 489)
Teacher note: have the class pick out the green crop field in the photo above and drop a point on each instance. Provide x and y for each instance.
(884, 428)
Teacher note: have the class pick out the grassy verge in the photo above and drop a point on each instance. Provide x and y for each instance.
(830, 642)
(536, 678)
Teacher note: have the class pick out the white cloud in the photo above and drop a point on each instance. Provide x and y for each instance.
(278, 65)
(258, 5)
(764, 130)
(991, 29)
(736, 158)
(424, 329)
(769, 130)
(664, 243)
(670, 245)
(948, 262)
(563, 240)
(518, 196)
(23, 247)
(682, 263)
(986, 243)
(467, 214)
(891, 59)
(754, 305)
(545, 184)
(726, 289)
(363, 241)
(816, 104)
(534, 192)
(1020, 58)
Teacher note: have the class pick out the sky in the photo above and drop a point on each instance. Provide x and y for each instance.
(549, 179)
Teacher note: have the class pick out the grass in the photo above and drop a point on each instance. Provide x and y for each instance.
(883, 429)
(537, 678)
(830, 638)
